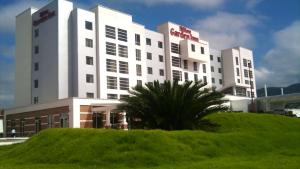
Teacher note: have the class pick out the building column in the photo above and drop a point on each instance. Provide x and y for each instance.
(107, 124)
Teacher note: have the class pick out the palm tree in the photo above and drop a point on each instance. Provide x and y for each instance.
(171, 106)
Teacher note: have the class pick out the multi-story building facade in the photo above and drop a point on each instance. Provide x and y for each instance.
(74, 64)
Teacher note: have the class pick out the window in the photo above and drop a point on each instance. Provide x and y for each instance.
(161, 58)
(249, 64)
(35, 100)
(149, 56)
(123, 67)
(186, 76)
(252, 94)
(195, 77)
(139, 70)
(149, 70)
(251, 74)
(36, 83)
(238, 80)
(111, 65)
(237, 72)
(248, 93)
(63, 120)
(245, 62)
(246, 81)
(89, 60)
(36, 66)
(110, 32)
(236, 60)
(251, 84)
(211, 57)
(36, 50)
(185, 64)
(38, 125)
(213, 80)
(90, 78)
(204, 68)
(112, 96)
(177, 75)
(175, 48)
(202, 50)
(193, 47)
(122, 35)
(212, 69)
(148, 41)
(88, 25)
(90, 95)
(88, 42)
(205, 79)
(123, 96)
(219, 59)
(110, 48)
(195, 64)
(161, 72)
(139, 82)
(176, 61)
(220, 70)
(160, 44)
(246, 73)
(36, 33)
(123, 51)
(124, 83)
(220, 81)
(112, 82)
(22, 127)
(137, 39)
(138, 54)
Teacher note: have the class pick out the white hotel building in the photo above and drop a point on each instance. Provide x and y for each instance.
(72, 65)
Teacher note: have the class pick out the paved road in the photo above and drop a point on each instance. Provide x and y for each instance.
(10, 140)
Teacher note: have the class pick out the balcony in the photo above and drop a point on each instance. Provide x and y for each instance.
(191, 50)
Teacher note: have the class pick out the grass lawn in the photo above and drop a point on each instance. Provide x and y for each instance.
(236, 140)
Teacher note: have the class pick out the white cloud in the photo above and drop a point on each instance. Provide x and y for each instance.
(9, 12)
(281, 64)
(225, 30)
(200, 4)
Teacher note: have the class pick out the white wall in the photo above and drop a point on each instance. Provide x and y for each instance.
(23, 58)
(217, 65)
(80, 51)
(155, 64)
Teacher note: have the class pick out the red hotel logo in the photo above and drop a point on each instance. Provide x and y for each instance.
(184, 33)
(44, 15)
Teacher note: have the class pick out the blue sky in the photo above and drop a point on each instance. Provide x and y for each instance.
(271, 28)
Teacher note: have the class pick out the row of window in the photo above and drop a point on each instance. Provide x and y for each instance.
(38, 125)
(110, 32)
(177, 75)
(212, 58)
(150, 71)
(111, 66)
(247, 73)
(214, 81)
(176, 62)
(112, 83)
(246, 63)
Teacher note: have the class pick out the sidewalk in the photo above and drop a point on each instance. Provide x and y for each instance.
(11, 140)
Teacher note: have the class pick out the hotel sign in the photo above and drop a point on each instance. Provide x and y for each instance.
(183, 33)
(44, 15)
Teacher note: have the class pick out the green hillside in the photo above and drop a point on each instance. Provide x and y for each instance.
(231, 140)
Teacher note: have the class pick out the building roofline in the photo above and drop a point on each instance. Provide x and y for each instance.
(98, 5)
(30, 8)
